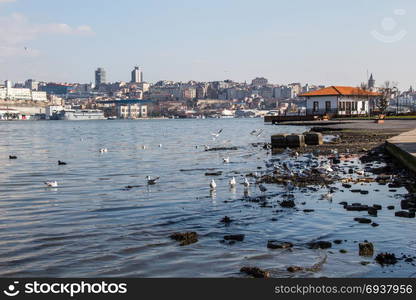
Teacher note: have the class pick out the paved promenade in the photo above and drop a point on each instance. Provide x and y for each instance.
(403, 147)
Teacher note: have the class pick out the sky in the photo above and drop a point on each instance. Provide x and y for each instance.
(315, 42)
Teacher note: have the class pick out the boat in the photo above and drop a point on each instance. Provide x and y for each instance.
(79, 115)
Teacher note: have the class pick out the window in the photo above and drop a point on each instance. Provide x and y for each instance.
(327, 106)
(315, 106)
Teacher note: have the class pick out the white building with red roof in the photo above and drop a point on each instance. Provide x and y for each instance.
(339, 101)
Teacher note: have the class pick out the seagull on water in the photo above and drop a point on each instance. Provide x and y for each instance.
(51, 183)
(103, 150)
(60, 162)
(232, 182)
(246, 183)
(226, 160)
(12, 157)
(152, 181)
(262, 188)
(212, 185)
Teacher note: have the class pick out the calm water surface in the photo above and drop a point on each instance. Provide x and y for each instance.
(92, 226)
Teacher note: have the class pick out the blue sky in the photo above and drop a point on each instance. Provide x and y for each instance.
(317, 42)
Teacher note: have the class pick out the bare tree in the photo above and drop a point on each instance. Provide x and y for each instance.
(387, 92)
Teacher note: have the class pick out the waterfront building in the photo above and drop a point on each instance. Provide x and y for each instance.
(23, 94)
(131, 111)
(100, 77)
(339, 101)
(136, 75)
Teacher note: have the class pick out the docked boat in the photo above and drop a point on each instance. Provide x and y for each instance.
(79, 115)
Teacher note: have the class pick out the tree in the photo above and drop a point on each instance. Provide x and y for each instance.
(387, 92)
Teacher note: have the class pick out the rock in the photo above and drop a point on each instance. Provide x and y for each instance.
(364, 192)
(287, 203)
(343, 203)
(355, 191)
(372, 211)
(343, 251)
(320, 245)
(377, 206)
(308, 210)
(364, 263)
(405, 214)
(347, 185)
(362, 220)
(293, 269)
(390, 207)
(255, 272)
(386, 259)
(273, 244)
(356, 207)
(234, 237)
(226, 220)
(406, 204)
(350, 171)
(219, 173)
(366, 249)
(337, 242)
(374, 224)
(392, 190)
(185, 238)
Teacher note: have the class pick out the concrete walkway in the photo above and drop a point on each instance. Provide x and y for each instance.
(403, 147)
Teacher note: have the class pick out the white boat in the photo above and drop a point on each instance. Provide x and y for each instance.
(79, 115)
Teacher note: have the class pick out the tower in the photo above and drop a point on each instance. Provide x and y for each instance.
(100, 77)
(371, 82)
(136, 75)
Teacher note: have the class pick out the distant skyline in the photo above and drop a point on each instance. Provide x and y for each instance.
(315, 42)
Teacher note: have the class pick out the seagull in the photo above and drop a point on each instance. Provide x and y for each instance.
(212, 185)
(327, 196)
(260, 132)
(226, 160)
(160, 145)
(289, 186)
(144, 147)
(262, 188)
(232, 182)
(102, 150)
(246, 183)
(12, 157)
(216, 134)
(151, 181)
(61, 162)
(206, 147)
(51, 183)
(359, 172)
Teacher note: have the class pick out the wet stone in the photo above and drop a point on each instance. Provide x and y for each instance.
(405, 214)
(226, 220)
(386, 259)
(308, 210)
(273, 244)
(366, 249)
(255, 272)
(372, 211)
(364, 192)
(185, 238)
(234, 237)
(355, 191)
(356, 207)
(377, 206)
(337, 242)
(294, 269)
(287, 203)
(390, 207)
(375, 224)
(320, 245)
(362, 220)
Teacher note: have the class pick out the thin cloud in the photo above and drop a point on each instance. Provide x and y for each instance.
(16, 30)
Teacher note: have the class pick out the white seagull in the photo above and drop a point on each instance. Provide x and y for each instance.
(246, 183)
(102, 150)
(51, 183)
(226, 160)
(212, 185)
(232, 182)
(152, 181)
(216, 134)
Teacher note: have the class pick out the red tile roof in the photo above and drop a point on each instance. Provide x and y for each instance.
(340, 91)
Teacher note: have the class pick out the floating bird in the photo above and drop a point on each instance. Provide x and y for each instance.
(206, 147)
(359, 172)
(212, 185)
(103, 150)
(61, 163)
(327, 196)
(246, 183)
(152, 181)
(289, 186)
(160, 145)
(226, 160)
(232, 182)
(12, 157)
(51, 183)
(262, 188)
(144, 147)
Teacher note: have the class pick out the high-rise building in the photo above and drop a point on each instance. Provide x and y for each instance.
(136, 75)
(100, 77)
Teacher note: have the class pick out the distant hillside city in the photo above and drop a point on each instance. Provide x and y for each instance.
(140, 99)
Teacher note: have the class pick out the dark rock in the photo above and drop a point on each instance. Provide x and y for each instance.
(288, 203)
(347, 185)
(409, 259)
(362, 220)
(185, 238)
(405, 214)
(226, 220)
(406, 204)
(337, 242)
(219, 173)
(377, 206)
(372, 211)
(355, 191)
(273, 244)
(356, 207)
(366, 249)
(234, 237)
(308, 210)
(293, 269)
(350, 171)
(320, 245)
(343, 251)
(343, 203)
(255, 272)
(374, 224)
(392, 190)
(390, 207)
(12, 157)
(364, 192)
(386, 259)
